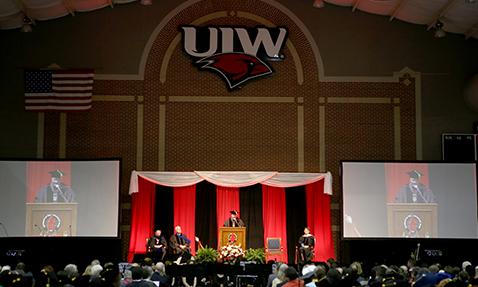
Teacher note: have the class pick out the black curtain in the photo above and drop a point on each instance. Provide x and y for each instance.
(206, 218)
(250, 201)
(164, 210)
(296, 217)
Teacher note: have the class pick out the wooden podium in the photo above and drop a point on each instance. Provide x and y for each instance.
(51, 219)
(232, 235)
(412, 220)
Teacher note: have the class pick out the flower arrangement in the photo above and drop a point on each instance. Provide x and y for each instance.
(231, 254)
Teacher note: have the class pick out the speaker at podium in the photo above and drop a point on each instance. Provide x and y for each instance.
(51, 219)
(412, 220)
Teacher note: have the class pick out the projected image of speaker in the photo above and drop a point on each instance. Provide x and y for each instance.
(409, 200)
(60, 198)
(459, 147)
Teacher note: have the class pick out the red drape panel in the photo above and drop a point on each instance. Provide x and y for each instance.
(273, 216)
(396, 176)
(318, 220)
(142, 217)
(37, 175)
(227, 199)
(185, 212)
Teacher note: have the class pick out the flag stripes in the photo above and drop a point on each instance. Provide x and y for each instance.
(58, 90)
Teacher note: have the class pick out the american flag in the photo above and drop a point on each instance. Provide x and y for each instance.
(58, 90)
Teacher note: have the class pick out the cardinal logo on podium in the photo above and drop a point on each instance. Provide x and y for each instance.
(412, 224)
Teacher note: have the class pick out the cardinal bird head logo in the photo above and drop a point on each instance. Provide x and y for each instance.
(235, 68)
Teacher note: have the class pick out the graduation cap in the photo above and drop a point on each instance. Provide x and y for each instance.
(414, 174)
(233, 212)
(56, 173)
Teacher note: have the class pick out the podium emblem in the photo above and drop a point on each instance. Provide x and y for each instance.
(412, 224)
(51, 223)
(232, 238)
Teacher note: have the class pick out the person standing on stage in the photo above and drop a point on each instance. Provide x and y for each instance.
(306, 246)
(55, 191)
(415, 191)
(156, 246)
(180, 245)
(234, 220)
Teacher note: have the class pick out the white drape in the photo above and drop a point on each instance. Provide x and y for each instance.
(235, 178)
(231, 178)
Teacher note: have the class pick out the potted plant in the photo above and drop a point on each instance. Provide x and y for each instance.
(206, 255)
(256, 255)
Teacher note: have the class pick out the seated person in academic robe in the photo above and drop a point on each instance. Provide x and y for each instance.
(55, 191)
(306, 246)
(415, 191)
(234, 220)
(180, 245)
(156, 246)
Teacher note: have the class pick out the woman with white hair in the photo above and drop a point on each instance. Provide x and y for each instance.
(159, 274)
(71, 270)
(280, 275)
(96, 270)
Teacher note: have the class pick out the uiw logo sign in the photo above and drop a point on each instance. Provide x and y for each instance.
(237, 54)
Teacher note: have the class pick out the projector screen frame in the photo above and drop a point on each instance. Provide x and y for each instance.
(120, 180)
(341, 204)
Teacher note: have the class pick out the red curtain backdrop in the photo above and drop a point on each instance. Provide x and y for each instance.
(273, 216)
(227, 199)
(396, 176)
(318, 220)
(185, 212)
(37, 175)
(142, 217)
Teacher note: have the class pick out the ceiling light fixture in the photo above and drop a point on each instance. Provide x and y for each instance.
(318, 4)
(146, 2)
(27, 25)
(439, 32)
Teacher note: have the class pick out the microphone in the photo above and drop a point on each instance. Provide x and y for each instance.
(417, 251)
(69, 228)
(4, 229)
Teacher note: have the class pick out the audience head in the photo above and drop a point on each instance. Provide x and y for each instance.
(71, 270)
(280, 273)
(96, 270)
(464, 264)
(136, 273)
(356, 268)
(291, 274)
(111, 276)
(160, 268)
(148, 262)
(433, 269)
(147, 272)
(320, 272)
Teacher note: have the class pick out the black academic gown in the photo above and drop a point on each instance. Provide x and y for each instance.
(408, 194)
(46, 194)
(157, 254)
(306, 254)
(230, 223)
(180, 239)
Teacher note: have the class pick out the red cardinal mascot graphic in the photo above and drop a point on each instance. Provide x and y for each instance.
(235, 68)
